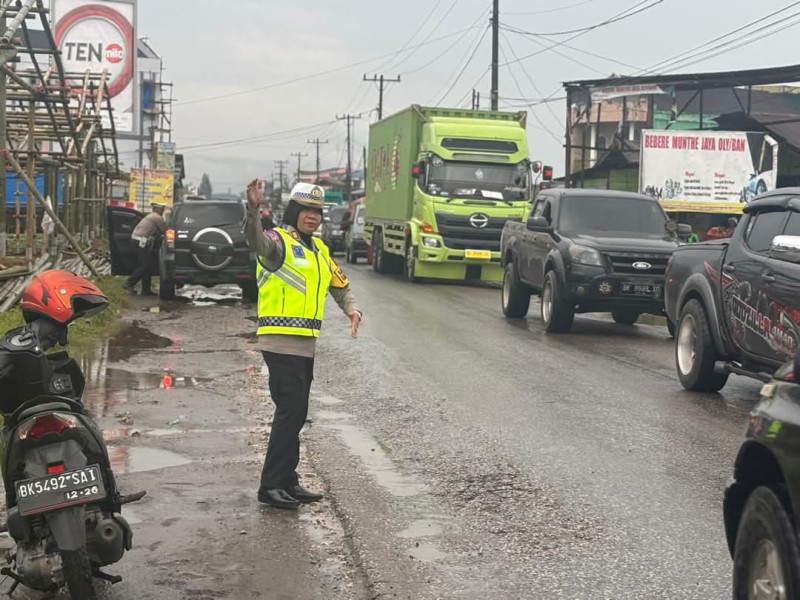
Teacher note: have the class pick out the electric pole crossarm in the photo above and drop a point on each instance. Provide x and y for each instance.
(348, 175)
(381, 81)
(317, 142)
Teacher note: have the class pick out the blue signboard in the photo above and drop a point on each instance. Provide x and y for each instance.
(11, 190)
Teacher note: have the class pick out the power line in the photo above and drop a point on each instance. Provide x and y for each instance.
(511, 29)
(615, 19)
(528, 75)
(464, 68)
(561, 54)
(635, 7)
(382, 81)
(449, 49)
(411, 39)
(311, 76)
(255, 138)
(474, 85)
(686, 54)
(535, 116)
(430, 33)
(317, 142)
(549, 10)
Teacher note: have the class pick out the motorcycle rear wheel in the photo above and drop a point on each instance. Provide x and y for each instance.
(78, 574)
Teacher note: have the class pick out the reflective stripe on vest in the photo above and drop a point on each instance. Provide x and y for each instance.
(291, 299)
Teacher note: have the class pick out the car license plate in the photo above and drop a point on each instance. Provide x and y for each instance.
(478, 254)
(650, 290)
(57, 491)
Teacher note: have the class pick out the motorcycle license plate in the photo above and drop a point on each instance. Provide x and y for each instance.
(650, 290)
(58, 491)
(478, 254)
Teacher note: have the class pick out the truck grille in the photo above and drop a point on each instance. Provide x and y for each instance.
(459, 233)
(622, 262)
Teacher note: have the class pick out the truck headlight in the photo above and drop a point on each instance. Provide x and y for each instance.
(585, 256)
(430, 242)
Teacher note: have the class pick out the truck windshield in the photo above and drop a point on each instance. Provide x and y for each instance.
(606, 217)
(470, 180)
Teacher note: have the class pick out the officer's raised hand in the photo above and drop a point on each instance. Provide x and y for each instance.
(255, 193)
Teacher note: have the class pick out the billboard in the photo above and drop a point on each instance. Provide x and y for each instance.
(97, 36)
(164, 155)
(707, 171)
(150, 186)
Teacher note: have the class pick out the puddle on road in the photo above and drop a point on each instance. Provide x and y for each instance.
(374, 457)
(328, 400)
(426, 552)
(126, 459)
(421, 528)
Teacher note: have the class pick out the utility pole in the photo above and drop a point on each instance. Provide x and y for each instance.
(495, 53)
(381, 80)
(299, 156)
(281, 164)
(317, 143)
(476, 100)
(348, 175)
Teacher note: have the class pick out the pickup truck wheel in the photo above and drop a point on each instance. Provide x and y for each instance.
(766, 560)
(166, 289)
(556, 314)
(625, 317)
(694, 351)
(515, 297)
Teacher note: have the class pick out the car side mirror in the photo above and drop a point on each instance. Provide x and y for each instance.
(539, 224)
(786, 248)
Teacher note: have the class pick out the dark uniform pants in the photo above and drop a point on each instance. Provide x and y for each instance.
(144, 269)
(290, 380)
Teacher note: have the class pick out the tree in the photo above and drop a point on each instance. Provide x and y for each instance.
(205, 186)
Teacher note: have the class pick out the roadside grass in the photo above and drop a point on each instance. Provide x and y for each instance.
(85, 333)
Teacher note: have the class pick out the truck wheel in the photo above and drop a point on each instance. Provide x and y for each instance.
(515, 296)
(766, 560)
(166, 289)
(625, 317)
(381, 261)
(556, 314)
(694, 351)
(409, 265)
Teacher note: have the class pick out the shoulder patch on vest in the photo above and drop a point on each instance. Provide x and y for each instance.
(274, 235)
(338, 278)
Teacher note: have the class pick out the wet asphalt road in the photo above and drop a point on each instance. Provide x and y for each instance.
(463, 455)
(568, 466)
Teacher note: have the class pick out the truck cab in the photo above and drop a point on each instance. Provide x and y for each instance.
(441, 185)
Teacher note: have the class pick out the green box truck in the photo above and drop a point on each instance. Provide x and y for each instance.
(440, 186)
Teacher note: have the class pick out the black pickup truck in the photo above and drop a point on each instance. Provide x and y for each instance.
(587, 251)
(736, 302)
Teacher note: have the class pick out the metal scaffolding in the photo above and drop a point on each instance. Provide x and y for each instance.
(54, 125)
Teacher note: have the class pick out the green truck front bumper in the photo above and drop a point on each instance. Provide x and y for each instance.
(444, 263)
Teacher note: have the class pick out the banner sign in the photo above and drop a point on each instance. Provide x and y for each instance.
(152, 187)
(707, 171)
(99, 36)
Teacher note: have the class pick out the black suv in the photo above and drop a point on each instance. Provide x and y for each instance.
(762, 502)
(588, 251)
(204, 245)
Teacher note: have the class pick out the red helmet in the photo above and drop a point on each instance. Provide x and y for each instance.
(61, 296)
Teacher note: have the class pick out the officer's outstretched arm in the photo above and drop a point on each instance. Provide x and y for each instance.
(340, 290)
(267, 247)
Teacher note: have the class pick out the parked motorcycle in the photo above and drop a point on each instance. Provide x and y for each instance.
(62, 501)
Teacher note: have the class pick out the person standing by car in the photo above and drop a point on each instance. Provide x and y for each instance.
(295, 272)
(147, 239)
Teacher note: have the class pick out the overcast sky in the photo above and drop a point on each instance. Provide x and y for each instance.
(213, 49)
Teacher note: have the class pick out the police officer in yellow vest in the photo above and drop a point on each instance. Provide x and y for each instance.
(295, 272)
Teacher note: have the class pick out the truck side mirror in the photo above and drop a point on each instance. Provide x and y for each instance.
(786, 248)
(684, 230)
(539, 224)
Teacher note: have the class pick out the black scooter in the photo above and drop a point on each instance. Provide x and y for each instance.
(63, 505)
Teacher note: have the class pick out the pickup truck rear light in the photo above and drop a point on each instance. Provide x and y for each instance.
(169, 236)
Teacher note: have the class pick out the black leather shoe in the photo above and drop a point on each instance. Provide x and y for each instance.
(303, 495)
(277, 498)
